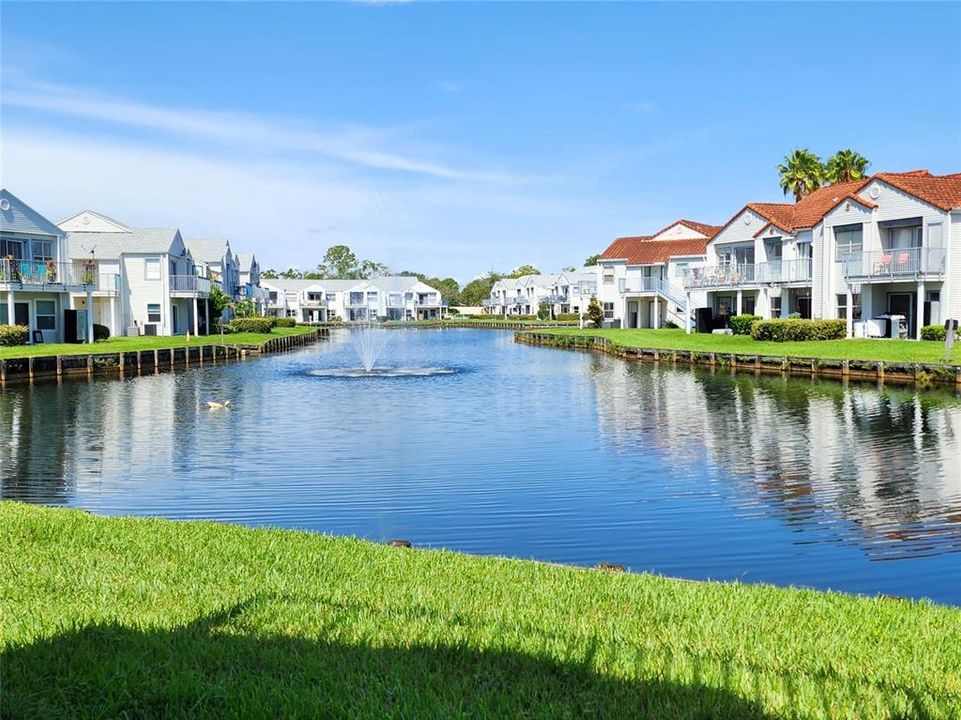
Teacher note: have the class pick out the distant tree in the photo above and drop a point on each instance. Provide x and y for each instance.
(269, 274)
(569, 269)
(245, 308)
(523, 270)
(370, 269)
(219, 301)
(291, 274)
(595, 313)
(339, 262)
(591, 261)
(480, 289)
(802, 172)
(845, 166)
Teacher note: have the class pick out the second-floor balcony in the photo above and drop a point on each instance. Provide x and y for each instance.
(428, 301)
(189, 286)
(554, 299)
(749, 274)
(44, 273)
(108, 283)
(894, 264)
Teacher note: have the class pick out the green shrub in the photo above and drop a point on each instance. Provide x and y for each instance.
(568, 317)
(670, 325)
(14, 335)
(251, 325)
(795, 330)
(742, 324)
(933, 332)
(101, 332)
(543, 311)
(285, 322)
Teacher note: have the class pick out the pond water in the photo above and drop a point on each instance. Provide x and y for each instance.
(529, 452)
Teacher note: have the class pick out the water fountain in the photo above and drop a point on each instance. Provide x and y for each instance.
(368, 342)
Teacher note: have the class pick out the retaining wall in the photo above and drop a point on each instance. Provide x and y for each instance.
(920, 374)
(137, 362)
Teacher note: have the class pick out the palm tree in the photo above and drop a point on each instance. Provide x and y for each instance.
(845, 166)
(802, 172)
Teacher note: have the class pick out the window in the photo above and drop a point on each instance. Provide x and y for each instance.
(372, 296)
(680, 270)
(152, 269)
(748, 303)
(42, 250)
(11, 247)
(848, 240)
(46, 314)
(4, 319)
(776, 307)
(153, 312)
(331, 297)
(273, 296)
(903, 238)
(608, 310)
(314, 296)
(843, 306)
(608, 276)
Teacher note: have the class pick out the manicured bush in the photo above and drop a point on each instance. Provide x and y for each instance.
(742, 324)
(285, 322)
(568, 317)
(251, 325)
(795, 330)
(543, 311)
(101, 332)
(14, 335)
(933, 332)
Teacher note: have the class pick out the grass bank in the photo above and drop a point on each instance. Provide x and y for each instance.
(110, 617)
(897, 351)
(130, 344)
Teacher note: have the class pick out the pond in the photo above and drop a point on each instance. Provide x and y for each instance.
(521, 451)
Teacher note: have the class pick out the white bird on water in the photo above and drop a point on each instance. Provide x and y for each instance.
(211, 405)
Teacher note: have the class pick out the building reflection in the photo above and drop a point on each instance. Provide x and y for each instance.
(824, 457)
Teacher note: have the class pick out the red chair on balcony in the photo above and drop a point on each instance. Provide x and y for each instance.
(903, 259)
(883, 265)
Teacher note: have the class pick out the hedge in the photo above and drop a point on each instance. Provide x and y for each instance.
(568, 317)
(101, 332)
(285, 322)
(251, 325)
(742, 324)
(795, 330)
(933, 332)
(14, 334)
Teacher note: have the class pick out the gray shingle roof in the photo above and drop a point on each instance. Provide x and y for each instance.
(210, 250)
(20, 217)
(244, 260)
(113, 244)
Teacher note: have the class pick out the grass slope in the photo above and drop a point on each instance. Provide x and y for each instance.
(111, 617)
(129, 344)
(907, 351)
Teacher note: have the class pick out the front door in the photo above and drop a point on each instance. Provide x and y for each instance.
(176, 325)
(21, 314)
(804, 307)
(632, 319)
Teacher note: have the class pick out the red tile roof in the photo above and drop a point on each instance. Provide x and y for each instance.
(643, 250)
(942, 191)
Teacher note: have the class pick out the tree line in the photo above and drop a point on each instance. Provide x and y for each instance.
(803, 171)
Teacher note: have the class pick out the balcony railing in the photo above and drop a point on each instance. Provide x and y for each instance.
(189, 284)
(896, 263)
(43, 272)
(108, 282)
(428, 301)
(766, 273)
(554, 299)
(784, 271)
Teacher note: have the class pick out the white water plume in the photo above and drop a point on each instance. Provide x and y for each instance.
(368, 342)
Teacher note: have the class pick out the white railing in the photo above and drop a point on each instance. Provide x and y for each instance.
(108, 282)
(189, 284)
(653, 285)
(784, 271)
(894, 263)
(44, 272)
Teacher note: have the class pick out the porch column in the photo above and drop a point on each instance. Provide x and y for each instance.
(207, 316)
(114, 325)
(11, 317)
(919, 311)
(657, 313)
(738, 306)
(89, 313)
(850, 306)
(193, 311)
(687, 314)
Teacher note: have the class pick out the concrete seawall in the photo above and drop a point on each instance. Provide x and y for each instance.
(140, 362)
(919, 374)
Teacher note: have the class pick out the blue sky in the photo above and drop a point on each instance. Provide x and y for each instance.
(455, 138)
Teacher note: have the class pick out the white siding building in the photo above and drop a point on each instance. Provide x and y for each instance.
(396, 298)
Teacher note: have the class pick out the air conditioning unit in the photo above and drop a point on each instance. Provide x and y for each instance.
(150, 328)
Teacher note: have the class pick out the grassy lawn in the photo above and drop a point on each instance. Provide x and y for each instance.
(909, 351)
(120, 617)
(126, 344)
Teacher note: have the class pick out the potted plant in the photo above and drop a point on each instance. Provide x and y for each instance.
(88, 273)
(51, 271)
(14, 268)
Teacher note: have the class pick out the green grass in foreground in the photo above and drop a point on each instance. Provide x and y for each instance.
(908, 351)
(129, 344)
(148, 618)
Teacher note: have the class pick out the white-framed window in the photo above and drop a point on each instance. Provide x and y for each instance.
(680, 270)
(12, 247)
(331, 297)
(151, 269)
(842, 299)
(153, 312)
(776, 307)
(608, 277)
(848, 240)
(608, 310)
(43, 250)
(46, 314)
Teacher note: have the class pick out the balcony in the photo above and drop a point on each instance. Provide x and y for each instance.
(38, 274)
(787, 271)
(895, 264)
(189, 286)
(640, 285)
(108, 283)
(750, 274)
(554, 299)
(429, 301)
(314, 304)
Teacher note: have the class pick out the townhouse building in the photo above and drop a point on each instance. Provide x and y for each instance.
(248, 274)
(37, 278)
(641, 279)
(395, 298)
(860, 251)
(573, 290)
(522, 295)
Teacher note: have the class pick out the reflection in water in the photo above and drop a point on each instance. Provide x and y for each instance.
(852, 464)
(530, 452)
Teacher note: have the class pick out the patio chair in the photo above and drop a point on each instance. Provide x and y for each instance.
(903, 261)
(883, 265)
